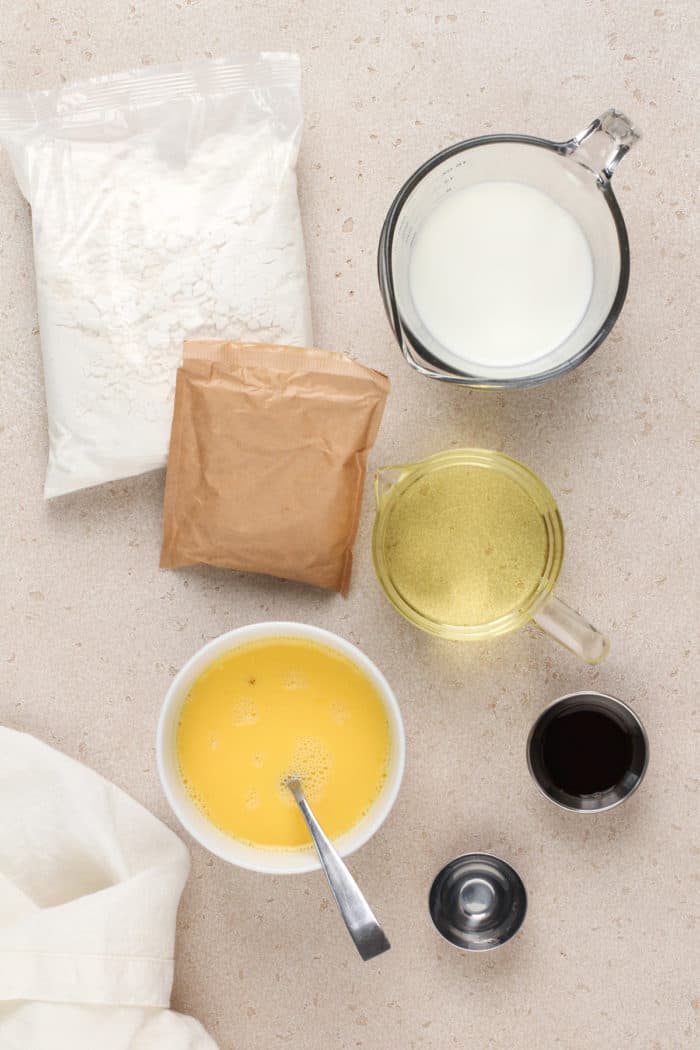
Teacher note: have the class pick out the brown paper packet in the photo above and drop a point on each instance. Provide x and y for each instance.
(268, 453)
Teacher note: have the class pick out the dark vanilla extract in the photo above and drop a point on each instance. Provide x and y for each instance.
(586, 752)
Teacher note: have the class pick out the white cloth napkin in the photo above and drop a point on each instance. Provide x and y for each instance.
(90, 883)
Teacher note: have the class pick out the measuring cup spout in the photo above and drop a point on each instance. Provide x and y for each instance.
(601, 146)
(385, 479)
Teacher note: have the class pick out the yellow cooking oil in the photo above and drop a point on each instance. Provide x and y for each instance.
(274, 709)
(465, 545)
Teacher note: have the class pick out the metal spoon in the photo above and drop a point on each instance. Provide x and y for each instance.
(369, 937)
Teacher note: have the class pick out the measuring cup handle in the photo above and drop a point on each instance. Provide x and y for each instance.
(601, 146)
(571, 630)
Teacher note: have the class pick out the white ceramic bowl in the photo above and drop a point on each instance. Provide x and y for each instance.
(279, 862)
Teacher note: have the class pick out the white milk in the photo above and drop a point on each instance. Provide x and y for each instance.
(500, 274)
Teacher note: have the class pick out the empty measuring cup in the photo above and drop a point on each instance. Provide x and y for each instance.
(504, 260)
(477, 902)
(469, 545)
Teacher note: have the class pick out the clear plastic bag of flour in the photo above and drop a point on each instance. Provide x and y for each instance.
(164, 207)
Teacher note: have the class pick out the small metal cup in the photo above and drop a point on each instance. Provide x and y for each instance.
(477, 902)
(626, 720)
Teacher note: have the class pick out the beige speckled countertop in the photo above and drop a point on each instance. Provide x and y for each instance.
(92, 631)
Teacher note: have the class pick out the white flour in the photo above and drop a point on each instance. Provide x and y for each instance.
(144, 239)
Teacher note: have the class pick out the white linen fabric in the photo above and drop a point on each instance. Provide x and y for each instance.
(90, 883)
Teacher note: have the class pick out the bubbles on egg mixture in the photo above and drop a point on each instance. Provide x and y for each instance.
(339, 712)
(294, 680)
(244, 711)
(311, 763)
(252, 800)
(198, 801)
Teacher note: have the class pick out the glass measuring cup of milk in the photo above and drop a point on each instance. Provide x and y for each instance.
(504, 260)
(469, 544)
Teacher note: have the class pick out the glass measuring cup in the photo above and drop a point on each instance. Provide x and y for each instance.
(576, 175)
(468, 545)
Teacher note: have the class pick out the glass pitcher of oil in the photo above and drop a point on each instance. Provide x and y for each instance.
(469, 544)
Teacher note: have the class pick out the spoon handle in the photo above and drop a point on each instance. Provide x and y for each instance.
(369, 937)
